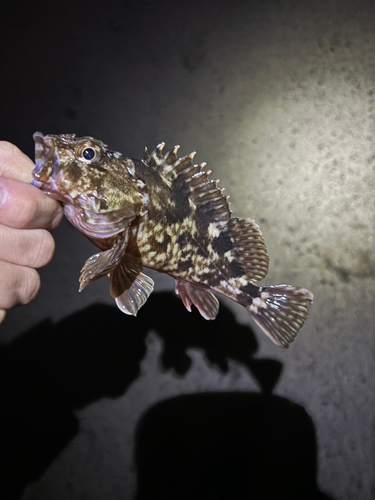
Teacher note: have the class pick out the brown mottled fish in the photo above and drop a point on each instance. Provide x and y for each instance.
(163, 212)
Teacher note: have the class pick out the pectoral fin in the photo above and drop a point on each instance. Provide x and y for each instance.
(102, 263)
(204, 300)
(130, 287)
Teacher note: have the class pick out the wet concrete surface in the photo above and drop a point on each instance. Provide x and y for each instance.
(279, 99)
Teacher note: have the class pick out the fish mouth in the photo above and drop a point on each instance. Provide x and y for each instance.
(47, 161)
(47, 165)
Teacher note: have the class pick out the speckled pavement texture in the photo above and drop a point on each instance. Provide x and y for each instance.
(279, 99)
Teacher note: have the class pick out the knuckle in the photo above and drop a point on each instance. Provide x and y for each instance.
(3, 313)
(14, 163)
(8, 148)
(57, 218)
(28, 212)
(9, 154)
(44, 248)
(28, 285)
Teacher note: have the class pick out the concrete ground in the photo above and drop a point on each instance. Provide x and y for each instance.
(279, 99)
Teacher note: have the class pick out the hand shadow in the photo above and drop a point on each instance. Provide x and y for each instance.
(53, 369)
(226, 446)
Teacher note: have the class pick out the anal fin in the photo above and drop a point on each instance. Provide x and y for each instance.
(204, 300)
(130, 287)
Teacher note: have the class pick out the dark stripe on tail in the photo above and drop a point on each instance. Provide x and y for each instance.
(252, 290)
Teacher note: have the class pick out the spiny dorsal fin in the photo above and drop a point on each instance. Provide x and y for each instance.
(158, 161)
(155, 159)
(191, 181)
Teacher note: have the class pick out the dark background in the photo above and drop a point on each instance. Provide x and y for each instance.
(278, 98)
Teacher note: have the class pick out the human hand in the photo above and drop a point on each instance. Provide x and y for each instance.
(26, 217)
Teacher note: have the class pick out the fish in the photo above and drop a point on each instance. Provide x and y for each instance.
(163, 212)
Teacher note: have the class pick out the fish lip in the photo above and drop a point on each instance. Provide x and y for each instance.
(47, 162)
(50, 189)
(36, 183)
(55, 194)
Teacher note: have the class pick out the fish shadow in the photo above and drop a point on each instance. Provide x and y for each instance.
(226, 446)
(220, 341)
(54, 369)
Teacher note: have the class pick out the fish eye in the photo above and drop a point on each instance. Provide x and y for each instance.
(88, 153)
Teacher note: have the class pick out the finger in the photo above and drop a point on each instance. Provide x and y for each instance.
(26, 247)
(13, 163)
(25, 206)
(19, 285)
(2, 315)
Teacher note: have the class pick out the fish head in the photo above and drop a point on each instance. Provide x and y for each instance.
(97, 186)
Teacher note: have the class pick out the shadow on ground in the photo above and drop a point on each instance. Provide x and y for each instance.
(227, 446)
(54, 369)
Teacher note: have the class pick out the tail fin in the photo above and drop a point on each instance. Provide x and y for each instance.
(281, 311)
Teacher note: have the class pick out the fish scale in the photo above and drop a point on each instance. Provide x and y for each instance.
(164, 213)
